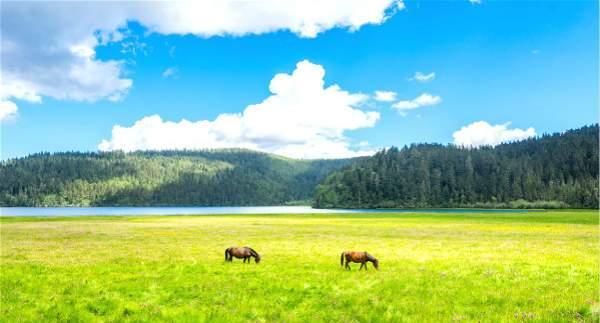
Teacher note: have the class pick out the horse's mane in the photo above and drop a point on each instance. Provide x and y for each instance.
(254, 253)
(369, 256)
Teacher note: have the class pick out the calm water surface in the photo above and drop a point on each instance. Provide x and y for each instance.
(91, 211)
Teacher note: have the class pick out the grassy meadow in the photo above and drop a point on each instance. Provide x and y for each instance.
(489, 267)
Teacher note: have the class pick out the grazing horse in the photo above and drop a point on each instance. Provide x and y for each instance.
(241, 252)
(361, 257)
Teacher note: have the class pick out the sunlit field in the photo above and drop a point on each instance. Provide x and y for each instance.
(536, 266)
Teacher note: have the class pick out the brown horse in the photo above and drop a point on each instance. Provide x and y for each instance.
(361, 257)
(241, 252)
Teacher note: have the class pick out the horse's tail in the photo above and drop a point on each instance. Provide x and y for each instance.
(342, 259)
(226, 254)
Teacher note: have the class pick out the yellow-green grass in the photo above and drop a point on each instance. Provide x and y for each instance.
(537, 266)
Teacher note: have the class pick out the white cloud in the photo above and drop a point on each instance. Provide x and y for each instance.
(385, 96)
(423, 78)
(8, 110)
(422, 100)
(170, 72)
(475, 1)
(49, 51)
(306, 18)
(48, 48)
(363, 143)
(302, 118)
(481, 133)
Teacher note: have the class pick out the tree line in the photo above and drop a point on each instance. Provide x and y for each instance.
(551, 171)
(205, 178)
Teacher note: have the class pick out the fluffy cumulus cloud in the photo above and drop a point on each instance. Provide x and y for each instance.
(8, 110)
(475, 1)
(307, 18)
(422, 100)
(424, 78)
(302, 118)
(385, 96)
(48, 48)
(481, 133)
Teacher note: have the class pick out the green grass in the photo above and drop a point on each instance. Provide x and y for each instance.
(539, 266)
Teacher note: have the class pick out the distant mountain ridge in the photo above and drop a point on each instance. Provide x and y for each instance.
(558, 170)
(223, 177)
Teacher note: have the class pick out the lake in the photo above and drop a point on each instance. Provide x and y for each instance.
(124, 211)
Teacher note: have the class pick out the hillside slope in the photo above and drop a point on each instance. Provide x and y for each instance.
(218, 177)
(559, 170)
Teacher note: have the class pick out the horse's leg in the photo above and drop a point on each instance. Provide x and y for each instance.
(348, 265)
(366, 267)
(362, 264)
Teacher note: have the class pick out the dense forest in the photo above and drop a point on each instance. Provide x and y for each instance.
(551, 171)
(210, 178)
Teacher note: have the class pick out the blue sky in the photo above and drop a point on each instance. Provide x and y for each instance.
(533, 64)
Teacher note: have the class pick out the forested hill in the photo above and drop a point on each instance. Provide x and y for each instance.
(218, 177)
(559, 170)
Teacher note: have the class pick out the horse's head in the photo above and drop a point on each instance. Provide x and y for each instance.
(373, 260)
(257, 258)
